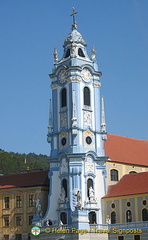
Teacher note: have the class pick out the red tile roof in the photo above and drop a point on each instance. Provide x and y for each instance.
(129, 184)
(127, 150)
(37, 178)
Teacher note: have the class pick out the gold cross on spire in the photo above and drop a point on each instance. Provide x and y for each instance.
(74, 25)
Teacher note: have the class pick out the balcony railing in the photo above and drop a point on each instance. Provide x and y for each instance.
(105, 228)
(98, 226)
(129, 225)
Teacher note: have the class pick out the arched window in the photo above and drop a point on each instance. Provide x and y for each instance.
(144, 214)
(113, 217)
(67, 53)
(64, 185)
(80, 53)
(63, 217)
(86, 96)
(132, 172)
(63, 98)
(114, 175)
(128, 216)
(92, 218)
(89, 184)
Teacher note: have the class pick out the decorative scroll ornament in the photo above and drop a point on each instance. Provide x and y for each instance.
(63, 76)
(89, 165)
(54, 86)
(54, 165)
(96, 84)
(74, 79)
(64, 166)
(63, 119)
(87, 118)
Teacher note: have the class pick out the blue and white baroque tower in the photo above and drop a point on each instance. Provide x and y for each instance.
(76, 132)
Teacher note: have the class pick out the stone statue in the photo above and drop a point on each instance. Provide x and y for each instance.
(38, 205)
(91, 193)
(55, 54)
(47, 222)
(93, 53)
(62, 194)
(108, 221)
(73, 49)
(61, 224)
(79, 199)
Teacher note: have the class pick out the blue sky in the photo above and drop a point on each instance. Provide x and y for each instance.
(31, 29)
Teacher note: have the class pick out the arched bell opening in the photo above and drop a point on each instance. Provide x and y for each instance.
(63, 217)
(92, 218)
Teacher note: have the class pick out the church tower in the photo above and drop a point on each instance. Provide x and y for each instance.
(76, 132)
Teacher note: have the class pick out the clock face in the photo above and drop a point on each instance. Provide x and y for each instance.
(86, 75)
(63, 76)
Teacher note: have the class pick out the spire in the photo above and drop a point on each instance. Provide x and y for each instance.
(74, 25)
(50, 123)
(74, 36)
(103, 123)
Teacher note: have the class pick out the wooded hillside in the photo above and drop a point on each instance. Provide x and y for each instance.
(11, 162)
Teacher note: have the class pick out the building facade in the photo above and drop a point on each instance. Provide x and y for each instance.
(126, 207)
(19, 194)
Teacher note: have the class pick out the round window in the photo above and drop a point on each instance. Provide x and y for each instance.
(63, 141)
(88, 140)
(144, 202)
(128, 204)
(113, 205)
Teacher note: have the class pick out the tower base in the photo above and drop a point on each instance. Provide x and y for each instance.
(80, 219)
